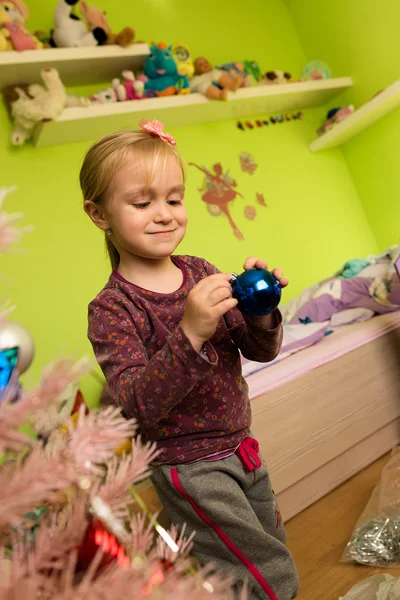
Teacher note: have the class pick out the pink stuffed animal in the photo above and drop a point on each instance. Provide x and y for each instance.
(127, 89)
(96, 18)
(13, 33)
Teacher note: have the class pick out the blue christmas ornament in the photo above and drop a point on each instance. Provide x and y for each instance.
(257, 291)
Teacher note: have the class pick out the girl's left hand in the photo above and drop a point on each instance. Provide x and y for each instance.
(253, 262)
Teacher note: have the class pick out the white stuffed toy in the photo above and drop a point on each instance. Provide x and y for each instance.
(32, 104)
(70, 31)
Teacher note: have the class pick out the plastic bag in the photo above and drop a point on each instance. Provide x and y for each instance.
(377, 587)
(375, 540)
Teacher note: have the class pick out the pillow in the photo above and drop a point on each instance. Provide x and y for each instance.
(351, 315)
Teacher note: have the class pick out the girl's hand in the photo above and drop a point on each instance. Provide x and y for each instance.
(206, 303)
(253, 262)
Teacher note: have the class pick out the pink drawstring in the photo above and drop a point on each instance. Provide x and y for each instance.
(247, 453)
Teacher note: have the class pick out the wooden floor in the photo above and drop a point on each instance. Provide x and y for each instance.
(318, 535)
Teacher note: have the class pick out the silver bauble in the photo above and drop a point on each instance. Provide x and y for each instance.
(15, 335)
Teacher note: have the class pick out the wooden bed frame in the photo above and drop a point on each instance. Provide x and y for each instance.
(323, 427)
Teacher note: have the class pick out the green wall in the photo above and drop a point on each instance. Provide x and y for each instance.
(361, 38)
(308, 227)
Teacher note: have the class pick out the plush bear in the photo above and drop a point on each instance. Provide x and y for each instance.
(32, 104)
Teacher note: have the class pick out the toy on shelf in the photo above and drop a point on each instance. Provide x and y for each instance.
(13, 33)
(249, 70)
(213, 83)
(129, 88)
(161, 72)
(70, 31)
(95, 18)
(335, 116)
(253, 71)
(31, 104)
(183, 59)
(93, 30)
(276, 77)
(44, 37)
(316, 69)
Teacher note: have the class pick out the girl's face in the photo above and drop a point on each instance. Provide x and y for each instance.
(148, 222)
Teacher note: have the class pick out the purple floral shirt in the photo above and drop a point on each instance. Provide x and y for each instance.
(192, 404)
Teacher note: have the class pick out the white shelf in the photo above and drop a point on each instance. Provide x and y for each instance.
(78, 124)
(77, 66)
(369, 113)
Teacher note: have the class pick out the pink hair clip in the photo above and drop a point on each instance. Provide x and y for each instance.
(156, 129)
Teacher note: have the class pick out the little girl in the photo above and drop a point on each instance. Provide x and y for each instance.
(167, 336)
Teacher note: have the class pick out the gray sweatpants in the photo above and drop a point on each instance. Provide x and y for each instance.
(236, 519)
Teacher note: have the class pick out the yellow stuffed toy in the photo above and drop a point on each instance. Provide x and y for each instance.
(13, 33)
(182, 57)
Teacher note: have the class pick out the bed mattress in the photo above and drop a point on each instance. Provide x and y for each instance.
(269, 377)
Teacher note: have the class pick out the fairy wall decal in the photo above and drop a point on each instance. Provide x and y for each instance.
(218, 192)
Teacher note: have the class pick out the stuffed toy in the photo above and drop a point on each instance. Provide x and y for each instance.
(234, 69)
(13, 32)
(276, 77)
(127, 89)
(44, 37)
(183, 59)
(93, 30)
(213, 83)
(162, 77)
(335, 116)
(95, 17)
(248, 70)
(253, 71)
(69, 31)
(32, 104)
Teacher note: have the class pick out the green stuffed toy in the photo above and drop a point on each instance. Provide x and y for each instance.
(162, 74)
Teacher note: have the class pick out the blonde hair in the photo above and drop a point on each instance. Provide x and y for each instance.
(108, 155)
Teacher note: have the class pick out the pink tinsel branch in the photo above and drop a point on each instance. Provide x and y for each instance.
(112, 583)
(58, 535)
(123, 473)
(13, 441)
(96, 437)
(147, 581)
(16, 581)
(48, 392)
(29, 482)
(5, 311)
(184, 544)
(142, 535)
(10, 235)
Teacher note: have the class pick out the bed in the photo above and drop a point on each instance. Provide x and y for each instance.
(323, 414)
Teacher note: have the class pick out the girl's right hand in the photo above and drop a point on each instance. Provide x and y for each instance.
(206, 303)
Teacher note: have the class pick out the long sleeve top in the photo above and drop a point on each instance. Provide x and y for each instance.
(192, 404)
